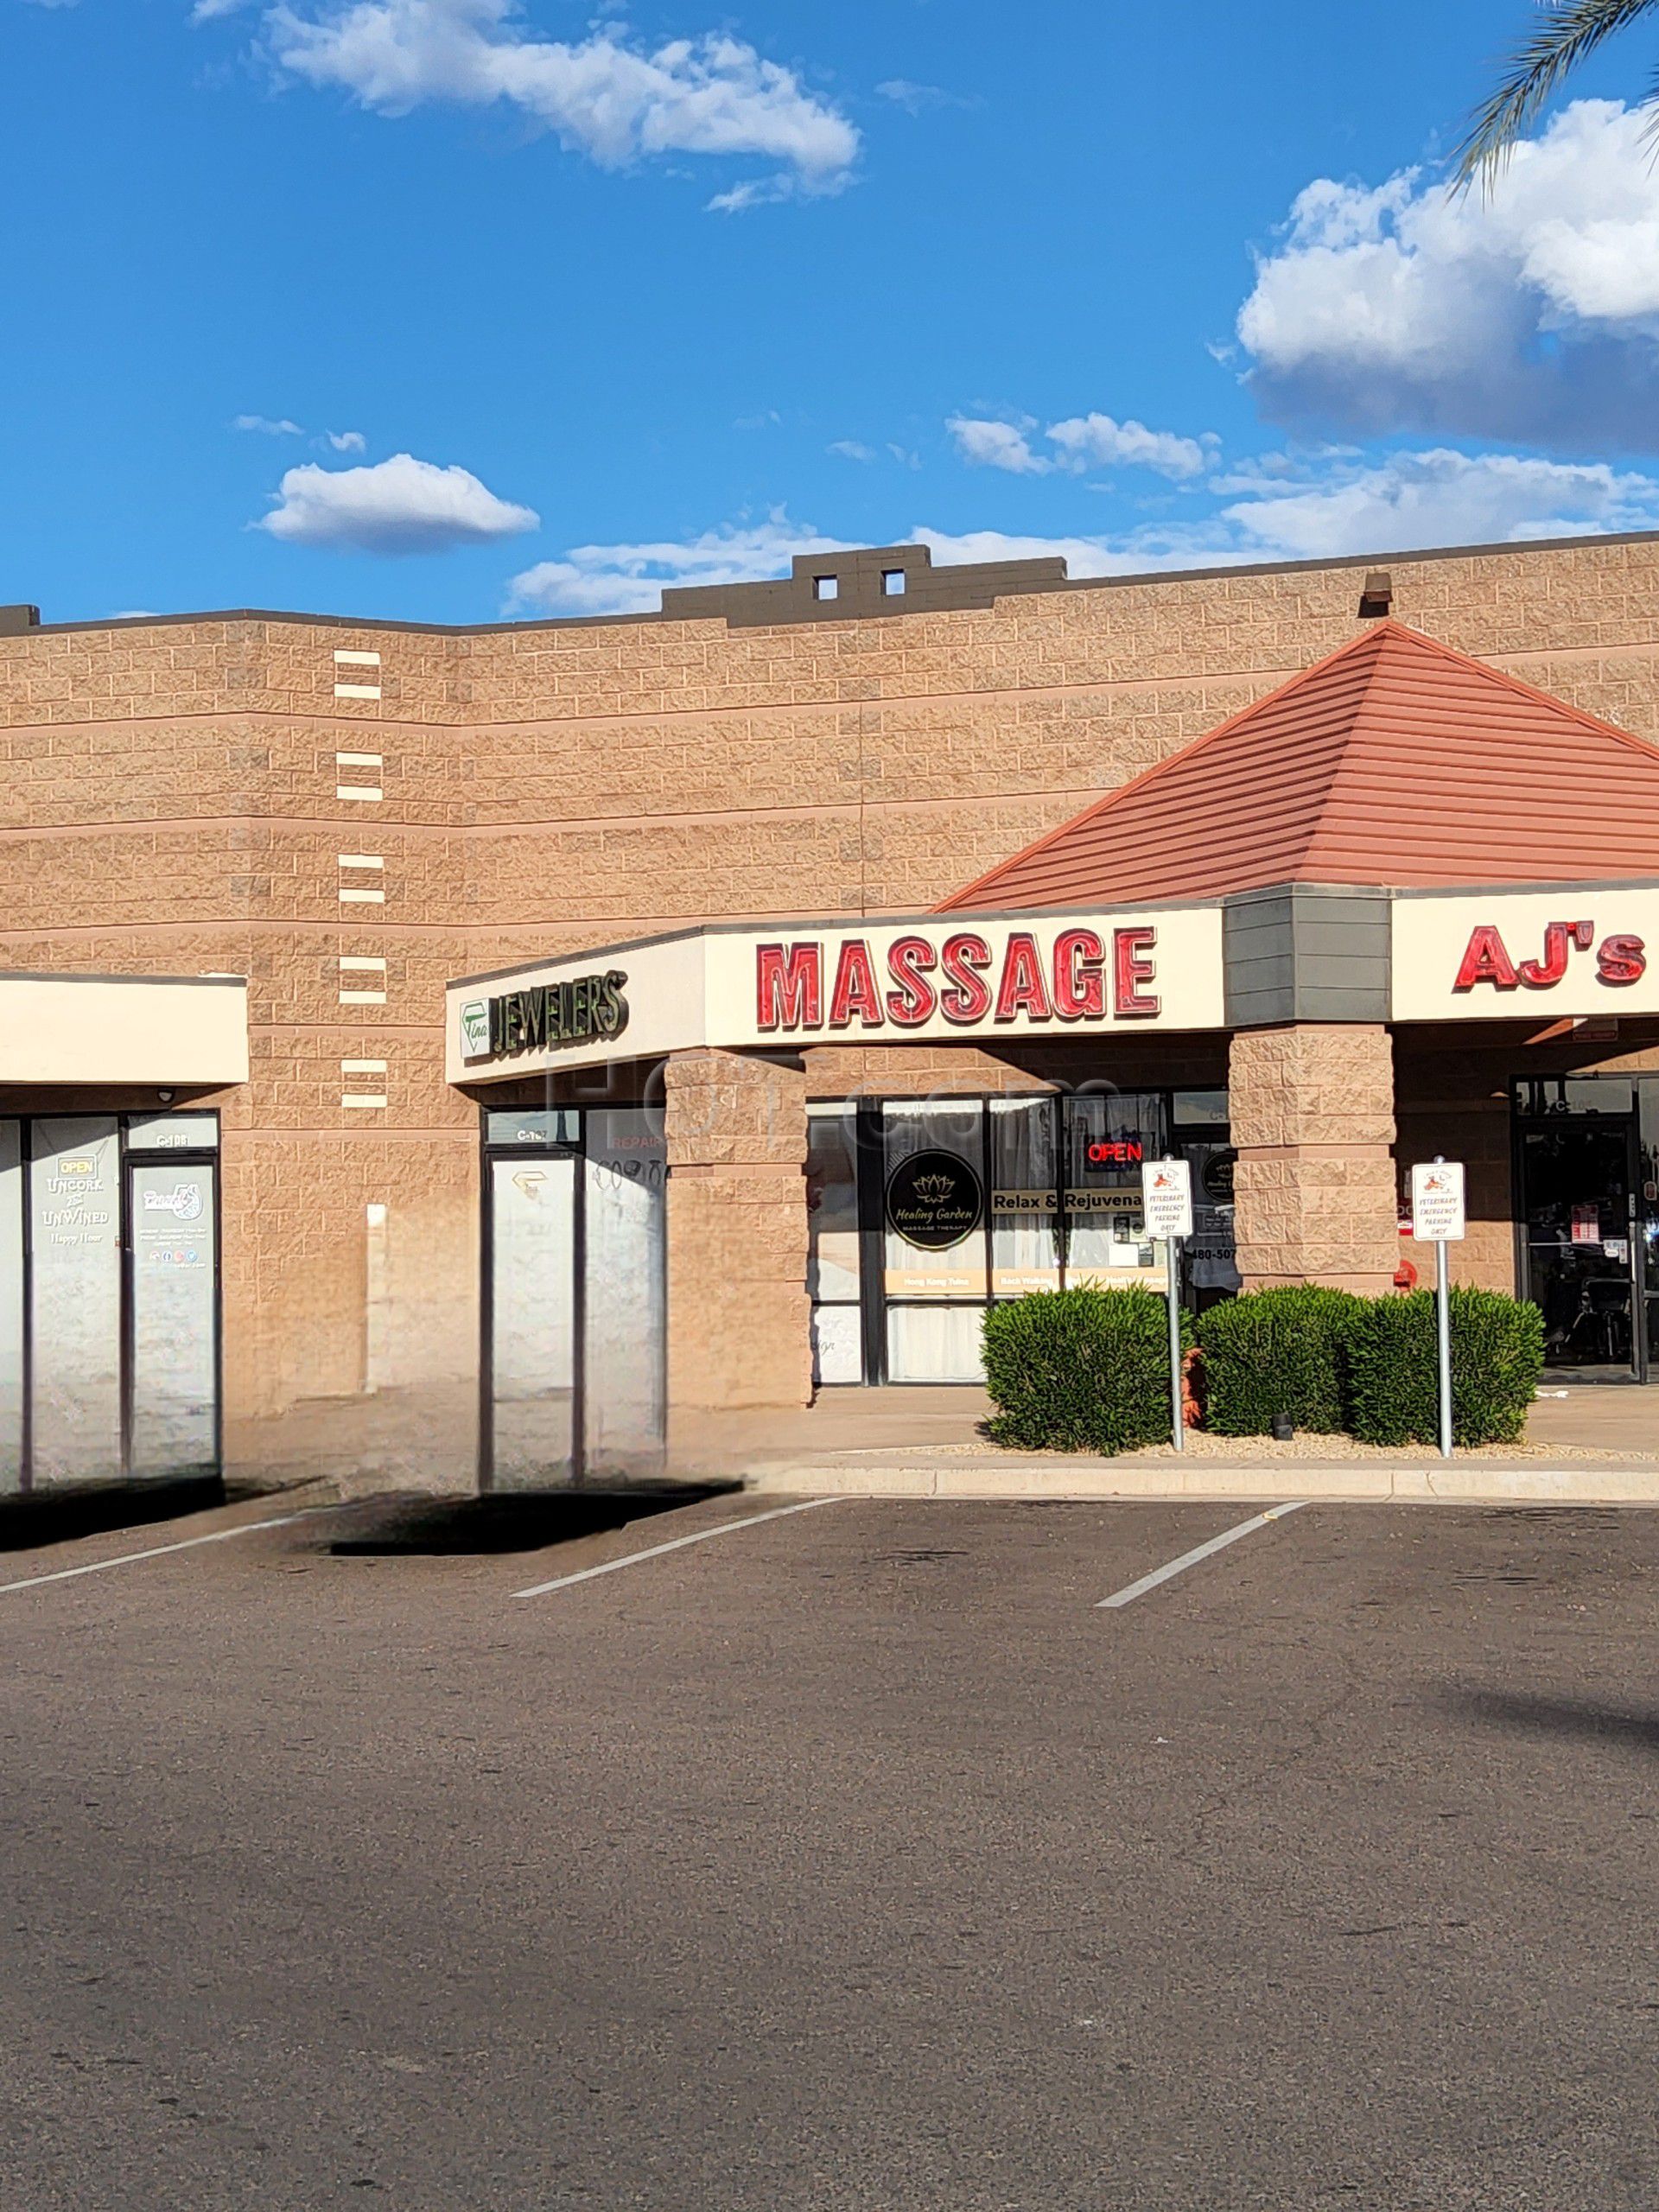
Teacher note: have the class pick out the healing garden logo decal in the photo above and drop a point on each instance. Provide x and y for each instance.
(934, 1200)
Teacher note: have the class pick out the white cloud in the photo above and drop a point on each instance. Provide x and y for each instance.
(613, 100)
(904, 92)
(988, 444)
(1336, 503)
(400, 505)
(851, 449)
(629, 579)
(1096, 440)
(1531, 314)
(1438, 497)
(1082, 442)
(279, 426)
(1316, 507)
(347, 441)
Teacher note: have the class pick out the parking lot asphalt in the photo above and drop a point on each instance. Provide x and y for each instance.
(854, 1859)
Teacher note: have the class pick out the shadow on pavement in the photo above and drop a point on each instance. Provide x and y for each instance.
(30, 1523)
(454, 1527)
(1560, 1716)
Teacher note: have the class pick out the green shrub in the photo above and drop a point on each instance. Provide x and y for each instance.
(1497, 1356)
(1274, 1351)
(1079, 1370)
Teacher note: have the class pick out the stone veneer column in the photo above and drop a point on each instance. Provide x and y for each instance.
(738, 1319)
(1311, 1109)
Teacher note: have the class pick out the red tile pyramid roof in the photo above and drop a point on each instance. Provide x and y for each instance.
(1395, 761)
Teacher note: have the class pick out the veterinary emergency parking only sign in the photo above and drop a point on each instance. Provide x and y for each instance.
(1166, 1210)
(1437, 1217)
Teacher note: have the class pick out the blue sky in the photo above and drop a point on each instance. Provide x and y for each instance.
(528, 309)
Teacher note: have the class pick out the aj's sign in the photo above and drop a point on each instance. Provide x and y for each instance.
(1620, 959)
(1499, 956)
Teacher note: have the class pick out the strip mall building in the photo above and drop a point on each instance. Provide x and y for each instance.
(502, 1054)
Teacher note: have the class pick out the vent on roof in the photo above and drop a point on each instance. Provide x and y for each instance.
(1378, 598)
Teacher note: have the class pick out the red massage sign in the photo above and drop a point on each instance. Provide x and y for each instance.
(950, 978)
(1583, 951)
(964, 977)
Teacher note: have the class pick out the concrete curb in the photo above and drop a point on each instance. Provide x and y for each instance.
(1466, 1481)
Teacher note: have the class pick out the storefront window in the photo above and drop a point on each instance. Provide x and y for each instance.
(1200, 1109)
(1024, 1198)
(935, 1344)
(933, 1200)
(1108, 1138)
(174, 1133)
(75, 1219)
(11, 1306)
(561, 1125)
(834, 1276)
(979, 1200)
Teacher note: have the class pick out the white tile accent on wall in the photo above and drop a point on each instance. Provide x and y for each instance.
(375, 1098)
(366, 966)
(357, 759)
(361, 894)
(347, 659)
(358, 791)
(357, 691)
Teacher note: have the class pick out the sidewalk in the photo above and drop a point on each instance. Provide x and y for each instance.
(1592, 1445)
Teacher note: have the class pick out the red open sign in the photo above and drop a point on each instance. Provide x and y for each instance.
(1120, 1152)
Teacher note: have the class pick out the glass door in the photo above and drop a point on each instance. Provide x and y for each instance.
(624, 1319)
(74, 1333)
(13, 1395)
(934, 1257)
(1583, 1260)
(531, 1398)
(173, 1309)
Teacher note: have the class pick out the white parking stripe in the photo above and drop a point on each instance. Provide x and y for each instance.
(1199, 1552)
(160, 1551)
(655, 1551)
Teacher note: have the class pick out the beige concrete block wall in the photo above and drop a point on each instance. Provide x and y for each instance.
(738, 1312)
(1312, 1111)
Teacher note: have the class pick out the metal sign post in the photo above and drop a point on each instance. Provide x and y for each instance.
(1167, 1207)
(1437, 1218)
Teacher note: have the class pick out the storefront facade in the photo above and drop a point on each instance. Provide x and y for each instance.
(652, 1022)
(111, 1306)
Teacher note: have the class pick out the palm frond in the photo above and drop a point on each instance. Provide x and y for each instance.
(1574, 30)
